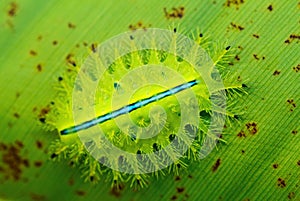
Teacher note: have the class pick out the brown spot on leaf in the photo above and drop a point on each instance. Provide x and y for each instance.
(54, 42)
(237, 27)
(298, 163)
(241, 134)
(174, 197)
(71, 25)
(16, 115)
(32, 53)
(243, 151)
(177, 178)
(174, 13)
(190, 176)
(80, 192)
(13, 8)
(216, 165)
(234, 3)
(291, 195)
(116, 190)
(276, 72)
(39, 38)
(270, 8)
(237, 58)
(3, 146)
(255, 36)
(255, 56)
(39, 67)
(85, 44)
(292, 104)
(252, 127)
(296, 68)
(12, 162)
(18, 94)
(70, 59)
(71, 182)
(94, 47)
(180, 189)
(19, 144)
(37, 197)
(275, 165)
(281, 183)
(39, 144)
(138, 25)
(294, 132)
(38, 163)
(291, 38)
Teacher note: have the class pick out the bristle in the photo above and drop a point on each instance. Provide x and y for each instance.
(152, 133)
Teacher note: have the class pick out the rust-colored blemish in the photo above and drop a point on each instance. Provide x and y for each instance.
(270, 8)
(237, 27)
(177, 178)
(39, 144)
(44, 111)
(296, 68)
(19, 143)
(291, 195)
(298, 163)
(174, 197)
(71, 182)
(174, 13)
(256, 56)
(234, 3)
(37, 197)
(252, 127)
(13, 8)
(294, 132)
(281, 183)
(94, 47)
(80, 192)
(39, 67)
(18, 94)
(276, 72)
(256, 36)
(10, 125)
(54, 42)
(138, 25)
(243, 151)
(32, 52)
(216, 165)
(190, 176)
(241, 134)
(71, 25)
(116, 190)
(237, 58)
(39, 38)
(180, 189)
(70, 59)
(16, 115)
(13, 163)
(292, 104)
(275, 165)
(38, 163)
(291, 38)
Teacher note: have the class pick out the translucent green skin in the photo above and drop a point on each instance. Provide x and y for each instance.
(165, 124)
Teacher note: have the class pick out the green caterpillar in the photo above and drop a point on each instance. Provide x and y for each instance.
(163, 136)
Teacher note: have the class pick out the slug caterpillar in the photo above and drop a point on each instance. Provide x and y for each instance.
(144, 104)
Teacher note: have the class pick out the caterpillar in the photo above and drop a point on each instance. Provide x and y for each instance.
(143, 104)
